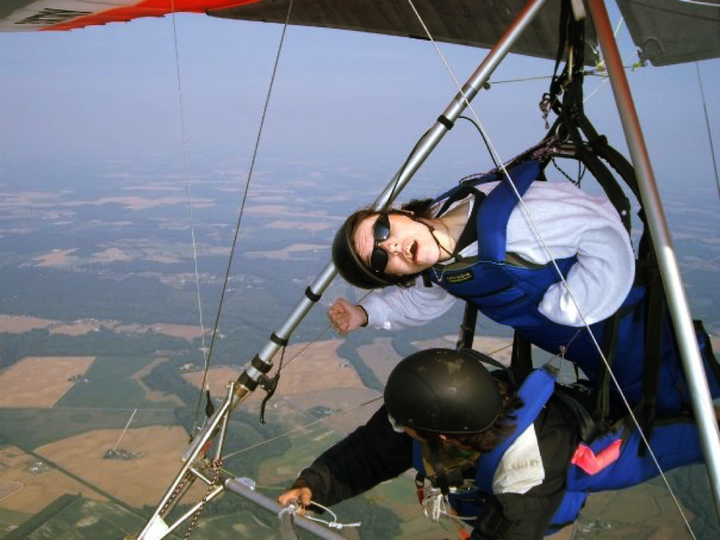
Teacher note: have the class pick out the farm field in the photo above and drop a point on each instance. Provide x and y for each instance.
(41, 381)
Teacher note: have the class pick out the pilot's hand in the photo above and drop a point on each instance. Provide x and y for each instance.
(301, 495)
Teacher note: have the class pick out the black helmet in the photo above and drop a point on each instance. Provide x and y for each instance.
(349, 265)
(443, 391)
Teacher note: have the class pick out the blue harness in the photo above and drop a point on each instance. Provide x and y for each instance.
(510, 295)
(674, 445)
(504, 292)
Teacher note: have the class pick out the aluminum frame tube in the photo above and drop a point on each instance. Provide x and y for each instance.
(234, 485)
(191, 454)
(416, 159)
(294, 319)
(667, 261)
(460, 103)
(179, 521)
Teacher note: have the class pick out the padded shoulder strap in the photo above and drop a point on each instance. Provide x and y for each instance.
(496, 209)
(535, 392)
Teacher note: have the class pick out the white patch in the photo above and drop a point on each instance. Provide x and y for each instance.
(397, 426)
(521, 466)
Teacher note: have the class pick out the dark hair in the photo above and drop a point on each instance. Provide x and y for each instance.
(487, 440)
(353, 222)
(420, 208)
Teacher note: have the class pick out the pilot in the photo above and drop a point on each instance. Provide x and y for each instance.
(513, 457)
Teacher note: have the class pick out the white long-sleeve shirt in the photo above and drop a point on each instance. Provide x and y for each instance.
(570, 222)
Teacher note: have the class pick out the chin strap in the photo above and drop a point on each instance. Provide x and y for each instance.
(437, 464)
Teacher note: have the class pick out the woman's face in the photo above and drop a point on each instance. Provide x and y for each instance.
(409, 246)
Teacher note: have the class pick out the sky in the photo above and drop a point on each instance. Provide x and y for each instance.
(341, 98)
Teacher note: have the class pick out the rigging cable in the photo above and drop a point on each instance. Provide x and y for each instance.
(487, 146)
(531, 221)
(186, 168)
(707, 123)
(242, 206)
(334, 524)
(300, 428)
(597, 72)
(600, 72)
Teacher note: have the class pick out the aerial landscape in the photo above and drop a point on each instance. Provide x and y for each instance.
(102, 364)
(103, 336)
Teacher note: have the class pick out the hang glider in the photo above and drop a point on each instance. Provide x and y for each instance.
(487, 24)
(665, 31)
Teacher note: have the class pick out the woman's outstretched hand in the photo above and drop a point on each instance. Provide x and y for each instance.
(346, 317)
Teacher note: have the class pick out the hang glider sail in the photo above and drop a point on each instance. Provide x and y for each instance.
(665, 31)
(57, 15)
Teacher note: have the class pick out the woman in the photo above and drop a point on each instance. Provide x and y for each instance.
(476, 243)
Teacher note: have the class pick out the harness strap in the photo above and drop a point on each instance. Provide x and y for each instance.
(458, 193)
(521, 359)
(571, 117)
(470, 232)
(602, 396)
(504, 200)
(587, 428)
(601, 173)
(467, 328)
(555, 86)
(437, 464)
(653, 352)
(535, 392)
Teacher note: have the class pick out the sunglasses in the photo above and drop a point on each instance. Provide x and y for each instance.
(381, 232)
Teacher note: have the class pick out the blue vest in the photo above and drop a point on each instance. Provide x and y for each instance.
(510, 295)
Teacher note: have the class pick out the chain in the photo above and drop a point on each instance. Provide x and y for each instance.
(566, 175)
(175, 493)
(217, 466)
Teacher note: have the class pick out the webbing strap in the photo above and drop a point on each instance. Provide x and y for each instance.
(597, 168)
(609, 348)
(470, 232)
(437, 464)
(467, 328)
(571, 117)
(521, 359)
(653, 352)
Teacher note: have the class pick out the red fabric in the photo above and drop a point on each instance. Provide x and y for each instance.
(145, 8)
(592, 464)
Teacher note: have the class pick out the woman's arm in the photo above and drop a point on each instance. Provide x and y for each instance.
(398, 308)
(572, 222)
(401, 308)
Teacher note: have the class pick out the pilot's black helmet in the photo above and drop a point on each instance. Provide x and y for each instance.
(443, 391)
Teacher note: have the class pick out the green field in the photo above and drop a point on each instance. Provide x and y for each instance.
(110, 386)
